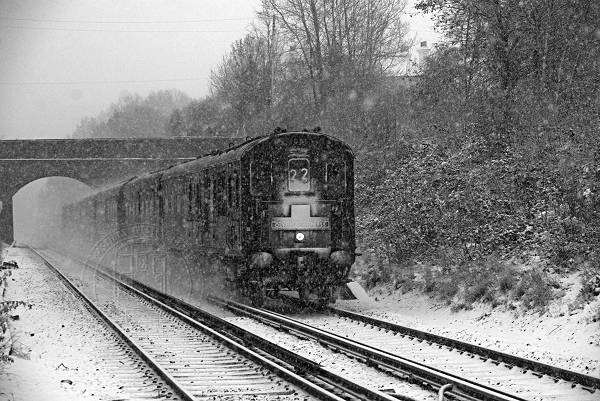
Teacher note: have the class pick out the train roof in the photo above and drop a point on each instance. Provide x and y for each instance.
(212, 159)
(235, 153)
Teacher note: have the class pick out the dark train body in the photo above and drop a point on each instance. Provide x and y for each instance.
(276, 212)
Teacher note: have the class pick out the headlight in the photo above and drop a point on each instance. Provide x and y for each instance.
(299, 237)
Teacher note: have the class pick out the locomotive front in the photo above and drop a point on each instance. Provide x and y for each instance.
(300, 218)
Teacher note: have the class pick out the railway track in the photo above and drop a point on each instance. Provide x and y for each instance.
(197, 355)
(590, 383)
(145, 380)
(469, 371)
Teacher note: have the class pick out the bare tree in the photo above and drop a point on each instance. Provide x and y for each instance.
(243, 79)
(543, 50)
(343, 44)
(134, 116)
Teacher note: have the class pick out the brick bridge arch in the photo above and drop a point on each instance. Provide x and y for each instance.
(95, 162)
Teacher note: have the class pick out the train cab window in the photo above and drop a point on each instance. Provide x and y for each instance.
(191, 202)
(206, 200)
(261, 178)
(198, 198)
(219, 194)
(232, 190)
(298, 175)
(335, 178)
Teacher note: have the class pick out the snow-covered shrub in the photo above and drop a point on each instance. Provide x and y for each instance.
(6, 307)
(590, 279)
(534, 289)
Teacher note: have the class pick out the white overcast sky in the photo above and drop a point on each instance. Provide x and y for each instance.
(62, 60)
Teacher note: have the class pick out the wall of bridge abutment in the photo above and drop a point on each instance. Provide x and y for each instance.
(7, 232)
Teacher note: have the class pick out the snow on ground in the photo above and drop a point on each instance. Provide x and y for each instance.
(559, 338)
(57, 344)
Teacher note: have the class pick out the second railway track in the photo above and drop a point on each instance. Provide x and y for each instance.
(367, 323)
(472, 371)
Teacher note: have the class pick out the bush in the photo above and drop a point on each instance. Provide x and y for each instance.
(429, 280)
(487, 281)
(590, 279)
(447, 289)
(476, 292)
(5, 308)
(534, 290)
(596, 314)
(373, 271)
(507, 280)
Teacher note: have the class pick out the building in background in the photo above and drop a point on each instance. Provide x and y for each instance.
(414, 60)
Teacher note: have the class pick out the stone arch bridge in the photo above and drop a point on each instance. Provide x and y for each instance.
(95, 162)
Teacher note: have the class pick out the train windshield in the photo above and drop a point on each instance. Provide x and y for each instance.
(335, 178)
(298, 175)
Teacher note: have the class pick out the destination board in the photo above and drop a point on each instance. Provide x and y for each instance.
(287, 223)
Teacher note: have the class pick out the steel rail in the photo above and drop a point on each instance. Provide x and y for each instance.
(164, 375)
(305, 366)
(539, 367)
(234, 335)
(590, 382)
(462, 388)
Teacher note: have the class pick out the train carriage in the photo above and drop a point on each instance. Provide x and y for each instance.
(276, 212)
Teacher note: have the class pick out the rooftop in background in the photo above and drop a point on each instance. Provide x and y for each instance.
(421, 30)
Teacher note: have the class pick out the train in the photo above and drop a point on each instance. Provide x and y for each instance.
(271, 214)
